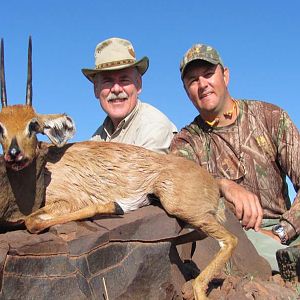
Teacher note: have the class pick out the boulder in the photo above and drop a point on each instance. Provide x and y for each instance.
(130, 257)
(117, 257)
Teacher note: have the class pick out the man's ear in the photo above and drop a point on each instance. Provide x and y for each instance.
(226, 76)
(96, 89)
(96, 81)
(139, 84)
(186, 90)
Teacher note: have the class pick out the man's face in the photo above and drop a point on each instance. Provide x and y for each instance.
(117, 92)
(206, 86)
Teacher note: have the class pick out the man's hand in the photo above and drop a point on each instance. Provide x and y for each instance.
(247, 205)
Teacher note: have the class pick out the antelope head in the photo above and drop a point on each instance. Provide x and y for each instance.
(19, 124)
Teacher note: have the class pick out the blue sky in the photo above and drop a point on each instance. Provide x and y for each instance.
(258, 40)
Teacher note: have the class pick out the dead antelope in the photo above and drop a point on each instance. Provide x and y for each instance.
(93, 178)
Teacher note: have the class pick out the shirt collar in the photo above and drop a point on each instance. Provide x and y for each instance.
(108, 124)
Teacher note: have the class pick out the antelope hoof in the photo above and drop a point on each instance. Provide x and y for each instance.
(34, 225)
(199, 292)
(187, 291)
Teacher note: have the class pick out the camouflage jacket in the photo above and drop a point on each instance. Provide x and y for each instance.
(257, 151)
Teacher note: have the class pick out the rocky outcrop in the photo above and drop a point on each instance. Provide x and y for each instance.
(130, 257)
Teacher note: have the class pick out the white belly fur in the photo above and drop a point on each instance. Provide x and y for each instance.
(133, 204)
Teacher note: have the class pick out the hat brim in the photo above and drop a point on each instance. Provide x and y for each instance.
(206, 59)
(141, 65)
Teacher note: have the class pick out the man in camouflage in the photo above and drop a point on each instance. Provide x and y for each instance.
(250, 147)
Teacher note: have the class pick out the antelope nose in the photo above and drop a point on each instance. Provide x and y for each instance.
(14, 149)
(14, 152)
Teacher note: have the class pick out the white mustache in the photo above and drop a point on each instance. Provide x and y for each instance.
(113, 96)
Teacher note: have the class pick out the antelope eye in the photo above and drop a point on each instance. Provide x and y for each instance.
(33, 127)
(1, 131)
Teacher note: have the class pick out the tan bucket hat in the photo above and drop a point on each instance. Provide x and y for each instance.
(115, 54)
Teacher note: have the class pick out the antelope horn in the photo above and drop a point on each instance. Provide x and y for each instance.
(29, 75)
(3, 87)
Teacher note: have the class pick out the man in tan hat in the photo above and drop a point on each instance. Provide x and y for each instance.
(250, 147)
(117, 79)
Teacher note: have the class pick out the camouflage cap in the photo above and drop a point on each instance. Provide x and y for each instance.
(200, 52)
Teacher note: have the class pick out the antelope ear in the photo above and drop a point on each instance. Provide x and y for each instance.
(58, 128)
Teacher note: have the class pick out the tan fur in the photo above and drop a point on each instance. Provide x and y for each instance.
(15, 128)
(85, 179)
(24, 112)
